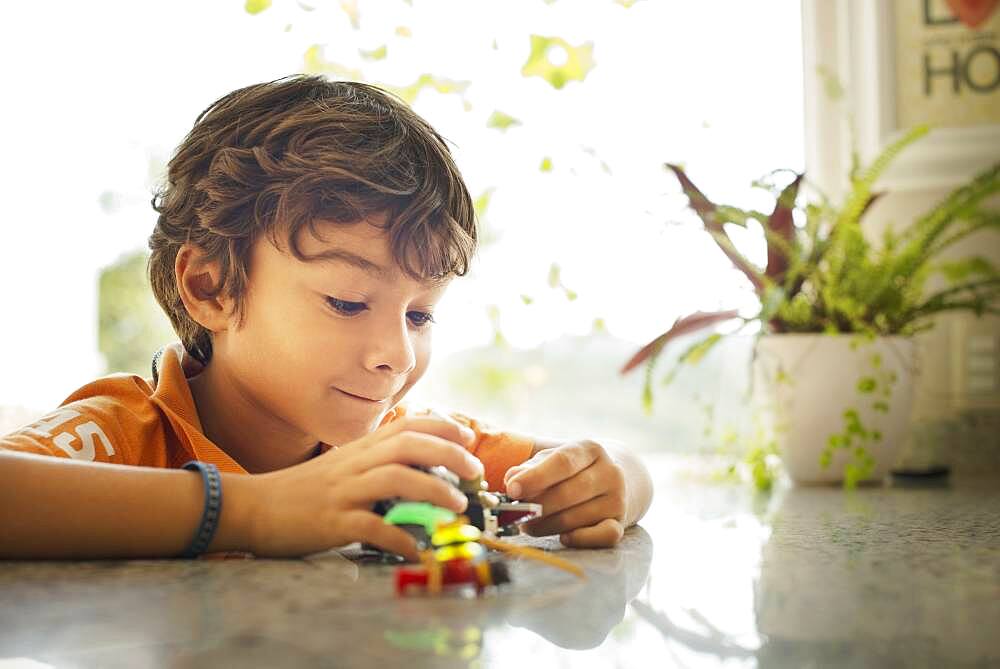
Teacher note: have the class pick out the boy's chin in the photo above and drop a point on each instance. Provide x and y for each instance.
(345, 433)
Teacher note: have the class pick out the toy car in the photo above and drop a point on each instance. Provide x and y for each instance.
(453, 548)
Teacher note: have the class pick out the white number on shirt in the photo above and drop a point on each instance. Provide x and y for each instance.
(64, 440)
(86, 432)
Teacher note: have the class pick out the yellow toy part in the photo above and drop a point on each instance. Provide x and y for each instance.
(468, 551)
(484, 573)
(434, 575)
(455, 534)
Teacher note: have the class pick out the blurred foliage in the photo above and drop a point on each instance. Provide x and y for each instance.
(131, 324)
(256, 6)
(314, 63)
(751, 453)
(555, 281)
(486, 233)
(577, 61)
(353, 12)
(501, 121)
(439, 84)
(375, 54)
(487, 381)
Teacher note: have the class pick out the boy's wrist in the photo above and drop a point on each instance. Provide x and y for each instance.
(235, 523)
(638, 485)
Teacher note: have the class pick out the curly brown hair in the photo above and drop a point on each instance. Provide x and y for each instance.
(286, 154)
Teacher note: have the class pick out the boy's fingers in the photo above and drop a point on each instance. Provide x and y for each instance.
(394, 480)
(513, 471)
(373, 529)
(417, 448)
(441, 416)
(436, 426)
(560, 465)
(605, 534)
(585, 514)
(575, 490)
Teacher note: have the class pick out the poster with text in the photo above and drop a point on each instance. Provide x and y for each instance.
(947, 62)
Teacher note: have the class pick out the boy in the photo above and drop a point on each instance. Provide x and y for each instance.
(305, 233)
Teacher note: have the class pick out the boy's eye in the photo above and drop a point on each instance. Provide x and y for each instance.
(419, 318)
(345, 307)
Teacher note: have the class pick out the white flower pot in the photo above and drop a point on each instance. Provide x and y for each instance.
(839, 404)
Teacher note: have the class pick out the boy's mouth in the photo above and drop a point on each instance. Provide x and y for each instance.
(362, 397)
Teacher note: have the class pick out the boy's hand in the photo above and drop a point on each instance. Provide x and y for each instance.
(581, 490)
(327, 501)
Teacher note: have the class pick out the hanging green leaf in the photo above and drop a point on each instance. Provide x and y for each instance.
(482, 202)
(554, 275)
(315, 63)
(439, 84)
(577, 61)
(696, 352)
(493, 312)
(960, 270)
(647, 389)
(831, 83)
(256, 6)
(486, 233)
(501, 121)
(867, 385)
(375, 54)
(350, 8)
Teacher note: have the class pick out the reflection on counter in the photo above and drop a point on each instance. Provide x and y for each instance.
(882, 575)
(818, 577)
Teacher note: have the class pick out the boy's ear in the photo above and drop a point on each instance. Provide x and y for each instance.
(196, 277)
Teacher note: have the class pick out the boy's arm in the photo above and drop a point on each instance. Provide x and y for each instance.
(62, 508)
(52, 507)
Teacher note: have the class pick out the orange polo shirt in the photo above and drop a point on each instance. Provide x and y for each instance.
(125, 419)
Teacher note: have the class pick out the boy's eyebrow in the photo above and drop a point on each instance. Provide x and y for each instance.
(340, 255)
(372, 268)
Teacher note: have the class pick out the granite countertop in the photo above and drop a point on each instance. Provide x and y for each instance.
(714, 575)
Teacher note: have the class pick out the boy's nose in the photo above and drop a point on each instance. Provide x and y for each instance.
(390, 345)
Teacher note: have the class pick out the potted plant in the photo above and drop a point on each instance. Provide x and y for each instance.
(834, 355)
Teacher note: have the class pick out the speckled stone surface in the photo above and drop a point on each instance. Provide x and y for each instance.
(715, 575)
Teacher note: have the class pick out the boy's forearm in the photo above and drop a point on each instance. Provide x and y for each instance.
(59, 508)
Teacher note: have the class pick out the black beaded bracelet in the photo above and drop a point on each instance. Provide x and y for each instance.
(212, 511)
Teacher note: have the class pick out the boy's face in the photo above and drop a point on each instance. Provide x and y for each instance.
(322, 339)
